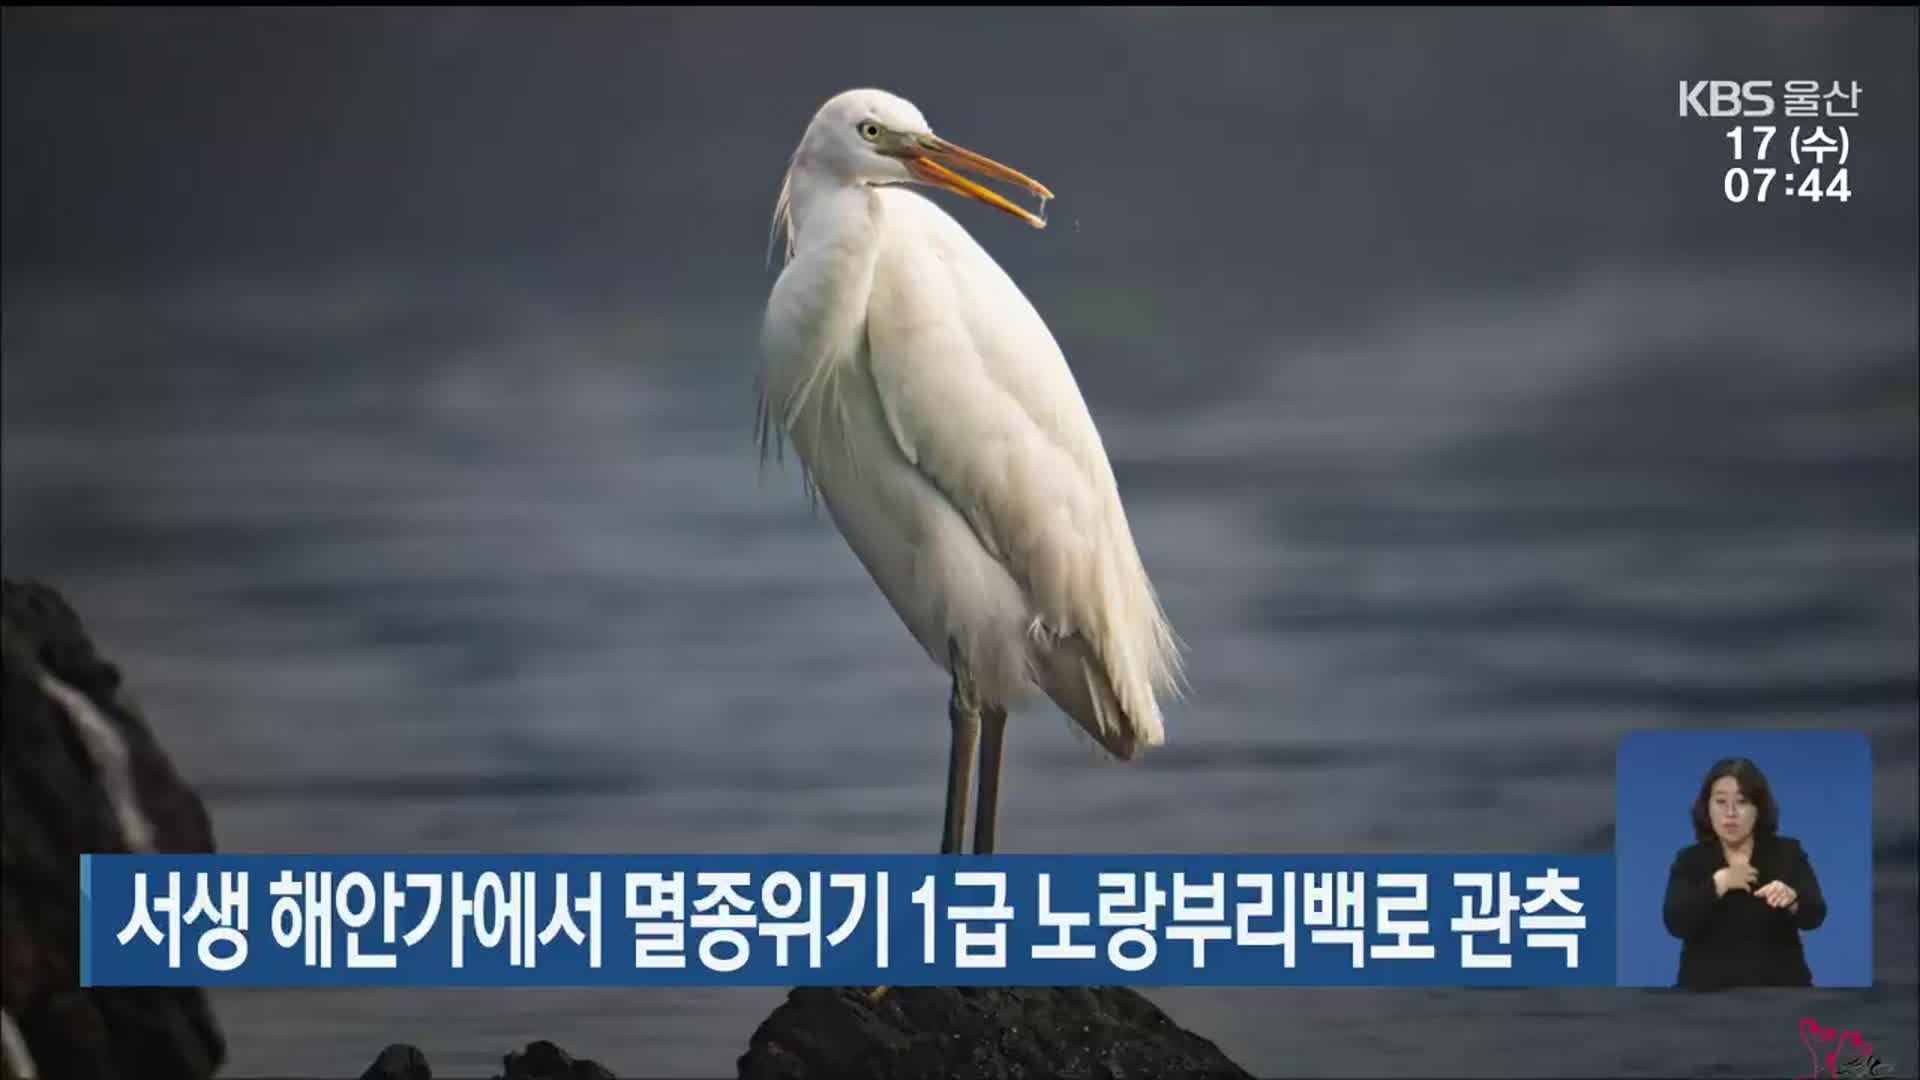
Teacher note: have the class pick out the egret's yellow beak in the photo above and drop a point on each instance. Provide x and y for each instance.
(933, 159)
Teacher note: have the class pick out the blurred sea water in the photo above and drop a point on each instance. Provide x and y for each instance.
(404, 566)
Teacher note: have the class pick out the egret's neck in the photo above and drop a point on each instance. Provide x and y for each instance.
(831, 213)
(819, 307)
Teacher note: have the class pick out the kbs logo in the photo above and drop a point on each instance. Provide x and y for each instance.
(1724, 97)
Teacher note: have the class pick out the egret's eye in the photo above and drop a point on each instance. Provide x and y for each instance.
(870, 131)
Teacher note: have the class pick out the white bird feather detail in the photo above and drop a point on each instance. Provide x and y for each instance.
(938, 420)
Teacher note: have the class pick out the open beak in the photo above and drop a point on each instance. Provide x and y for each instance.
(933, 160)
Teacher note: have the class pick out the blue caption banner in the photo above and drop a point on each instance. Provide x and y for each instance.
(847, 920)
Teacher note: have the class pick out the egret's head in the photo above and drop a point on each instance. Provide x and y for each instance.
(873, 137)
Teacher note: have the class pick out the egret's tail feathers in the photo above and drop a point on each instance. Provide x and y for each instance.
(1077, 682)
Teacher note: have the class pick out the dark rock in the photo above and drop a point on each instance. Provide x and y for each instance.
(977, 1033)
(58, 800)
(544, 1061)
(399, 1062)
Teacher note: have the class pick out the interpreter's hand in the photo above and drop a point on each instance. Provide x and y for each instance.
(1728, 878)
(1778, 894)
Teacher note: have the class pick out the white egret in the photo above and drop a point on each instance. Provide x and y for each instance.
(936, 417)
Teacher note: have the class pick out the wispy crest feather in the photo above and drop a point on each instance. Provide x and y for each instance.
(782, 229)
(769, 435)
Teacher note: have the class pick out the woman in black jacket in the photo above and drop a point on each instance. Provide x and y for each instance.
(1739, 898)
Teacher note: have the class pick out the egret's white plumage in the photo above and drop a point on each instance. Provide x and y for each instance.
(939, 423)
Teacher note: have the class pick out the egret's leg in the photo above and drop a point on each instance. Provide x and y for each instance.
(992, 742)
(963, 709)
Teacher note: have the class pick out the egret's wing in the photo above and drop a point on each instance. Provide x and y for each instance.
(980, 399)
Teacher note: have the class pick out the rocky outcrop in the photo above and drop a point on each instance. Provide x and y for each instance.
(544, 1061)
(399, 1062)
(977, 1033)
(541, 1060)
(82, 772)
(926, 1033)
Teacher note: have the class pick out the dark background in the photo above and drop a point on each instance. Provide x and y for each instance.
(377, 385)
